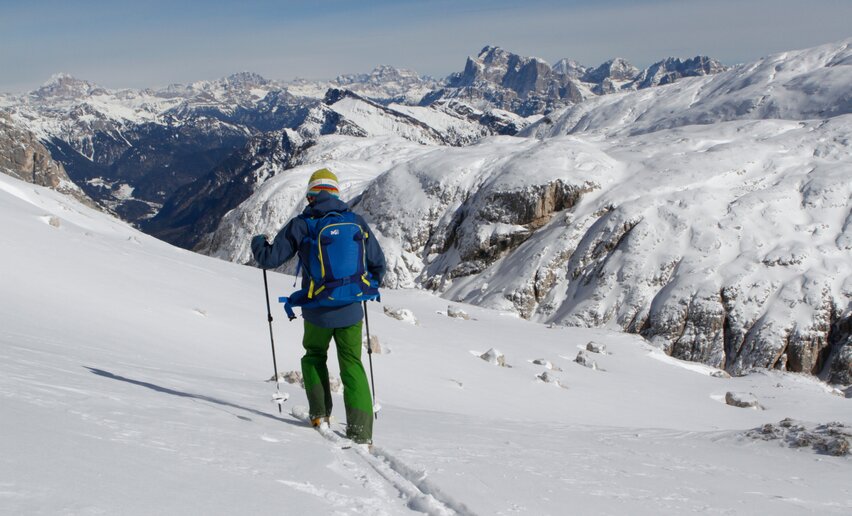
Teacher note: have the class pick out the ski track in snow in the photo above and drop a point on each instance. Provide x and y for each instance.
(421, 494)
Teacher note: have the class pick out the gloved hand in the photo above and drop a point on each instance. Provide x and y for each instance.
(258, 244)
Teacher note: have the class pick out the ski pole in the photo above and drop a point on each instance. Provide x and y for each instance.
(278, 397)
(370, 356)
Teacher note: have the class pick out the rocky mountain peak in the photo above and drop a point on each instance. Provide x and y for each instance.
(498, 66)
(570, 68)
(673, 68)
(616, 69)
(380, 75)
(383, 73)
(63, 86)
(245, 80)
(491, 54)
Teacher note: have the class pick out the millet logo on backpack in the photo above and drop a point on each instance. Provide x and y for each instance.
(335, 231)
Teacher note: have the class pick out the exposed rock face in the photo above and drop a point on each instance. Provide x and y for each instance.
(570, 68)
(840, 370)
(22, 156)
(524, 85)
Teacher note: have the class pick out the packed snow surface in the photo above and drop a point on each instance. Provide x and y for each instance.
(132, 381)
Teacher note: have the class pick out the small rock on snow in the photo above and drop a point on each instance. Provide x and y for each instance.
(292, 377)
(584, 360)
(543, 362)
(742, 400)
(596, 347)
(401, 314)
(493, 356)
(457, 313)
(547, 377)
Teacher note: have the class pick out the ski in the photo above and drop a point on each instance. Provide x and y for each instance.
(301, 413)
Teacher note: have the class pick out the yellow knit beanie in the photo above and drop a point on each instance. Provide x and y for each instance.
(323, 180)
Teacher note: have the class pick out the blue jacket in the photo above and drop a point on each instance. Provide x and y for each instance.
(288, 243)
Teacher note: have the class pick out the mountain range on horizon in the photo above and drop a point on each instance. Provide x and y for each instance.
(381, 74)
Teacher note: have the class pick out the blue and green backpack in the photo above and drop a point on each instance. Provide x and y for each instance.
(336, 268)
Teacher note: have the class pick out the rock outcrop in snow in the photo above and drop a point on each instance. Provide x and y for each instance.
(23, 157)
(830, 438)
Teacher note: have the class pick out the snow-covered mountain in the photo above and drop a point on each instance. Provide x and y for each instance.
(725, 242)
(386, 84)
(132, 382)
(809, 84)
(130, 149)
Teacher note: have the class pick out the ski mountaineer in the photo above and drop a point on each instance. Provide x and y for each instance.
(324, 322)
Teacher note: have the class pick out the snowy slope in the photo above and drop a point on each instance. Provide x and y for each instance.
(377, 120)
(131, 382)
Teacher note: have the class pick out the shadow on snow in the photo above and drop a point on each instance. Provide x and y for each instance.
(182, 394)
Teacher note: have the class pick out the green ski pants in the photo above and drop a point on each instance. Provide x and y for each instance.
(356, 389)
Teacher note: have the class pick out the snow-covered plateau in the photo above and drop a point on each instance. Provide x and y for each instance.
(713, 215)
(133, 381)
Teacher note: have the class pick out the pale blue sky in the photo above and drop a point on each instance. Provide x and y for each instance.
(157, 42)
